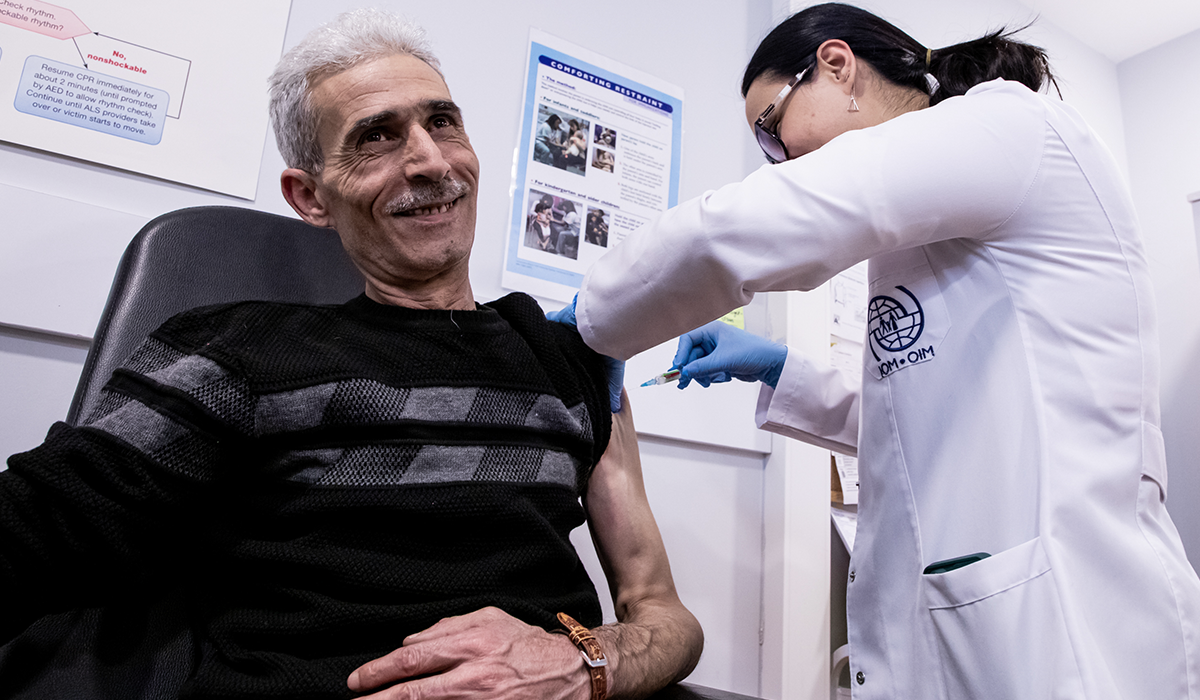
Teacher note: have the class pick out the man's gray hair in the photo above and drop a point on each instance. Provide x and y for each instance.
(352, 38)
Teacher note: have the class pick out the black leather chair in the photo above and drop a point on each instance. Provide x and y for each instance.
(691, 691)
(210, 255)
(142, 648)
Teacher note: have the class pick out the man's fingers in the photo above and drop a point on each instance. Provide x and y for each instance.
(486, 653)
(403, 663)
(448, 643)
(428, 688)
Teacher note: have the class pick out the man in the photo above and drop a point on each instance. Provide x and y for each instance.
(539, 234)
(336, 482)
(597, 228)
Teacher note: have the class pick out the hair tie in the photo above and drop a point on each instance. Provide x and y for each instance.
(928, 56)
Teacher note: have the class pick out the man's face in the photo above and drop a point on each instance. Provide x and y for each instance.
(400, 178)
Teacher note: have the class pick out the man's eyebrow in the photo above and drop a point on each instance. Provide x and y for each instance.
(430, 106)
(367, 123)
(374, 120)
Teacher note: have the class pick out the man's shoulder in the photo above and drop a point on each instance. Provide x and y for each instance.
(528, 318)
(234, 323)
(515, 303)
(578, 372)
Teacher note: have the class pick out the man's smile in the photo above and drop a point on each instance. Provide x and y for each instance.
(428, 210)
(429, 198)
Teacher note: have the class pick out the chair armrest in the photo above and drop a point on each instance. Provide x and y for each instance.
(690, 691)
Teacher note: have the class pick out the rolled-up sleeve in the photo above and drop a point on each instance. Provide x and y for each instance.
(811, 403)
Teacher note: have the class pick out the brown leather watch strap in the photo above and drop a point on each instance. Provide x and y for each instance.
(593, 655)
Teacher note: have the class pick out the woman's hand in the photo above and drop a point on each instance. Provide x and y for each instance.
(718, 352)
(615, 369)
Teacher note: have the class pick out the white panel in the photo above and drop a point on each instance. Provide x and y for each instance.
(57, 258)
(37, 381)
(721, 415)
(796, 584)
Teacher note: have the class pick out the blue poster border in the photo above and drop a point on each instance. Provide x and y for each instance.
(673, 105)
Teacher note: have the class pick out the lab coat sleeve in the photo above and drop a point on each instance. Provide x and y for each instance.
(957, 170)
(813, 404)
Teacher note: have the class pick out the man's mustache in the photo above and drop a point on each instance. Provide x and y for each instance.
(421, 195)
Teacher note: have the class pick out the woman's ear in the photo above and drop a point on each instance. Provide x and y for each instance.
(836, 61)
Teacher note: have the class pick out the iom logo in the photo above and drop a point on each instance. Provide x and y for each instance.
(893, 327)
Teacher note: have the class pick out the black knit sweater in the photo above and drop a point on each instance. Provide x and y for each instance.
(324, 480)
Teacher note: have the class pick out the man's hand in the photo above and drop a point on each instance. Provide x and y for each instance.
(485, 654)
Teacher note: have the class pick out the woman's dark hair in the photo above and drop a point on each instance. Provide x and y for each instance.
(792, 46)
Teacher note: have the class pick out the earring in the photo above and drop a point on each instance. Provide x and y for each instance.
(853, 102)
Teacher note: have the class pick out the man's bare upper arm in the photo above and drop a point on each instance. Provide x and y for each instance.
(623, 528)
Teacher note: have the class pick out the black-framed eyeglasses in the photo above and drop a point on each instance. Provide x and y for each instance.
(766, 128)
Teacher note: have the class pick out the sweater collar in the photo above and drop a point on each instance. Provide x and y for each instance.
(483, 319)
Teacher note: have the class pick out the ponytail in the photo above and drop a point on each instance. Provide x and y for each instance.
(940, 73)
(961, 67)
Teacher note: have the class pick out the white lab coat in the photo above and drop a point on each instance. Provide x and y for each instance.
(1009, 401)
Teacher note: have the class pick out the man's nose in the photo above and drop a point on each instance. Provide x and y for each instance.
(423, 157)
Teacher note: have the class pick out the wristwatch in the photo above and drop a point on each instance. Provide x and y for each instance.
(593, 655)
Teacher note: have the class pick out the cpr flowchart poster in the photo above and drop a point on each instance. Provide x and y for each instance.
(173, 90)
(598, 157)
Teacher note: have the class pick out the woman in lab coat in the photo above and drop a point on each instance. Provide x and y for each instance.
(1009, 401)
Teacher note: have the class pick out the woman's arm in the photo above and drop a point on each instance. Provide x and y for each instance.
(957, 170)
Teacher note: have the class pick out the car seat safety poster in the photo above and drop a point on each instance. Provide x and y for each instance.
(177, 92)
(597, 157)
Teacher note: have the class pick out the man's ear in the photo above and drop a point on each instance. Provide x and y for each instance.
(300, 190)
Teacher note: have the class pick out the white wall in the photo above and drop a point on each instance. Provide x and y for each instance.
(1161, 104)
(1088, 80)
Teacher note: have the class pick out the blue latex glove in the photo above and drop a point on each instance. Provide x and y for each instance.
(614, 369)
(565, 315)
(719, 352)
(616, 381)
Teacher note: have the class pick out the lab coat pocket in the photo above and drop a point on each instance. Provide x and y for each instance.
(998, 627)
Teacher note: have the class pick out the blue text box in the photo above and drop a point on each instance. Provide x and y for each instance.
(80, 97)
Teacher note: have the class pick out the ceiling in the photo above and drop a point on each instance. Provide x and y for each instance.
(1119, 29)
